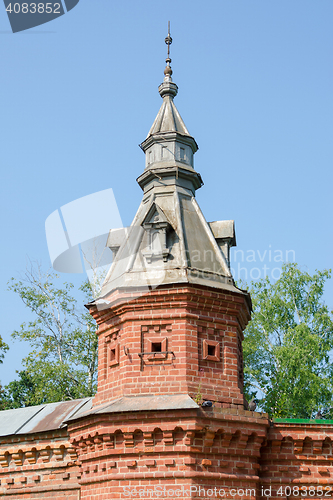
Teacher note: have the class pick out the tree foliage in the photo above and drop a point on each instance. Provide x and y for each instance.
(19, 393)
(288, 343)
(3, 347)
(63, 362)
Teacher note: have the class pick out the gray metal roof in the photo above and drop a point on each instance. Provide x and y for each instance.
(41, 418)
(168, 119)
(193, 251)
(53, 416)
(141, 403)
(224, 229)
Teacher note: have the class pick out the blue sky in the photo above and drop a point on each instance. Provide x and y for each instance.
(255, 90)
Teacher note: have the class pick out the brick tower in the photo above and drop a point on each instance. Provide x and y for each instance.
(169, 410)
(168, 419)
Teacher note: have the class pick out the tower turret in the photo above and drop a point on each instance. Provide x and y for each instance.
(169, 240)
(168, 142)
(170, 316)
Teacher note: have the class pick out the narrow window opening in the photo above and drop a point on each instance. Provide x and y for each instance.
(211, 350)
(156, 347)
(155, 242)
(113, 355)
(182, 154)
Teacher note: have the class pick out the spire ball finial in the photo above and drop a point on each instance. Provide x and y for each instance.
(168, 89)
(168, 41)
(168, 71)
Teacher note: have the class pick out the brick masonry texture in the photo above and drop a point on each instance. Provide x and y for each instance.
(183, 320)
(43, 465)
(173, 340)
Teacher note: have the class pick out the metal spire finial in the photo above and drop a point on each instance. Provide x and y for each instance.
(168, 41)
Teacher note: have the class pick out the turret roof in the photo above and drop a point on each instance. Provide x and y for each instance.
(169, 240)
(168, 118)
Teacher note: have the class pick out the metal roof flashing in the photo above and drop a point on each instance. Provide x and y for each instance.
(141, 403)
(41, 418)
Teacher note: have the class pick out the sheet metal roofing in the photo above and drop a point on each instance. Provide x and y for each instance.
(53, 416)
(41, 418)
(141, 403)
(168, 119)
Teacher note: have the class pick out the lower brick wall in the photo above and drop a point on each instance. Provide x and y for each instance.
(171, 488)
(215, 448)
(44, 465)
(41, 493)
(297, 460)
(213, 453)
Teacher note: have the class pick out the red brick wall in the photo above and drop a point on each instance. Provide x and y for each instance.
(212, 448)
(224, 447)
(298, 456)
(186, 320)
(39, 466)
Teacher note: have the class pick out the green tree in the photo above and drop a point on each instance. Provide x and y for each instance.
(3, 347)
(287, 345)
(63, 362)
(19, 393)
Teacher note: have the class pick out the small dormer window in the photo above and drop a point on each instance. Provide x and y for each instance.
(156, 243)
(156, 226)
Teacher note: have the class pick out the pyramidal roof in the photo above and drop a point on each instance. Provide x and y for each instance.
(169, 240)
(168, 118)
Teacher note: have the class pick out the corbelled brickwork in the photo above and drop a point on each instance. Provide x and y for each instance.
(297, 459)
(216, 447)
(39, 466)
(195, 451)
(179, 339)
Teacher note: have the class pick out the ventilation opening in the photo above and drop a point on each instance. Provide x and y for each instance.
(156, 347)
(112, 354)
(211, 350)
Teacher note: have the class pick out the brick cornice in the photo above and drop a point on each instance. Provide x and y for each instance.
(182, 297)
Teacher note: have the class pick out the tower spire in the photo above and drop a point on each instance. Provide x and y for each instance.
(168, 142)
(168, 70)
(168, 87)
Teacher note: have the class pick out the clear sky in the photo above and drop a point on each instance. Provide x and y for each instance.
(255, 90)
